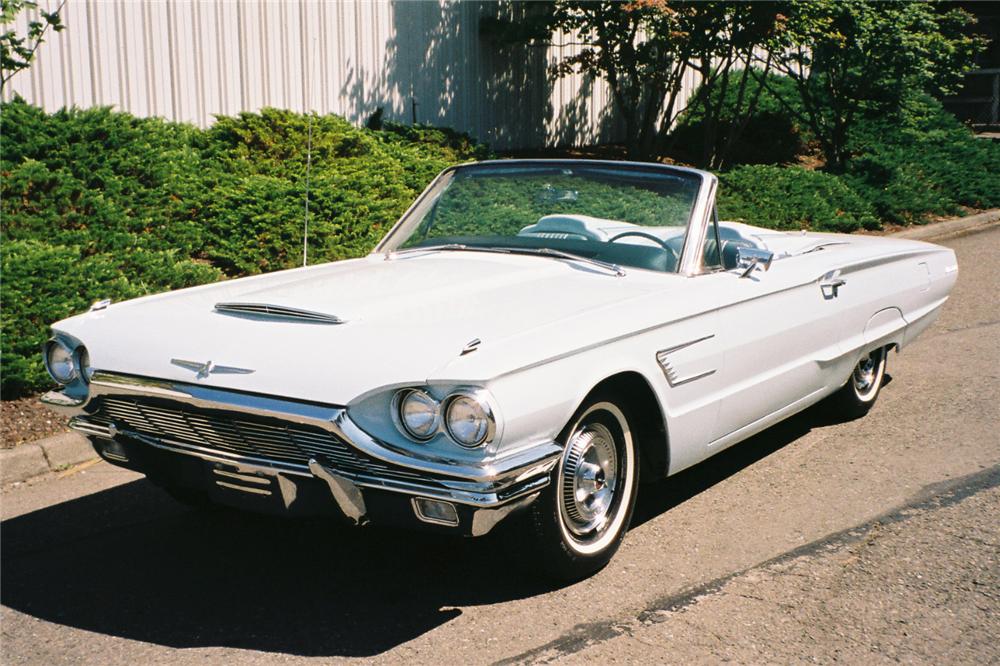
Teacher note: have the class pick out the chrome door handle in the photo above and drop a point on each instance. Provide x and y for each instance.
(831, 286)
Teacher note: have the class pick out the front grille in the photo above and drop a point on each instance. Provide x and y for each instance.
(238, 434)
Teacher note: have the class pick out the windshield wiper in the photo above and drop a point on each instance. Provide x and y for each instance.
(560, 254)
(428, 248)
(534, 251)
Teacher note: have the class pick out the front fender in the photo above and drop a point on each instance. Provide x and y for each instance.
(539, 401)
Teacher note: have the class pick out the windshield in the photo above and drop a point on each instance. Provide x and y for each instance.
(626, 215)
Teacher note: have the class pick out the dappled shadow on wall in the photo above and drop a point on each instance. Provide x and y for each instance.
(436, 58)
(132, 563)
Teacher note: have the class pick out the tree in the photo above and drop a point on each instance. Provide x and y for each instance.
(851, 57)
(17, 52)
(734, 32)
(643, 49)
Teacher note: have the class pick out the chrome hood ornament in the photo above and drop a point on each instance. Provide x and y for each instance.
(209, 368)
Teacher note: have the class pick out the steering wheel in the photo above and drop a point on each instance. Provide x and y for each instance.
(642, 234)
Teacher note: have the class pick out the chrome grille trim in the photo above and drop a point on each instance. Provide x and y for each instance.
(269, 311)
(484, 484)
(240, 435)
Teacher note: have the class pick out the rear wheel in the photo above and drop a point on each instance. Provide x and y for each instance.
(858, 395)
(580, 520)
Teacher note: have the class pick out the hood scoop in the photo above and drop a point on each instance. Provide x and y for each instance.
(267, 311)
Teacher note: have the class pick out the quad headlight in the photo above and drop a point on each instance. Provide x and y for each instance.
(418, 414)
(61, 361)
(468, 419)
(465, 415)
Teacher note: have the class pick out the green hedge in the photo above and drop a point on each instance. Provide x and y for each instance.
(922, 162)
(100, 204)
(793, 198)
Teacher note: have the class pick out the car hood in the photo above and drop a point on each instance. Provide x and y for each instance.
(407, 320)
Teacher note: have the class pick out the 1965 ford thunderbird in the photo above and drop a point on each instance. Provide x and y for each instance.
(529, 340)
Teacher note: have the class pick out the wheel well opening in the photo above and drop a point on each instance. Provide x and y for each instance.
(645, 418)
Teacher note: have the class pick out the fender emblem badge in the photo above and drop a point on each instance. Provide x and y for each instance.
(209, 368)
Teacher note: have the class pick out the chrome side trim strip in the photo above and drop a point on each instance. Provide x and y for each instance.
(89, 428)
(885, 259)
(245, 489)
(663, 358)
(670, 350)
(687, 380)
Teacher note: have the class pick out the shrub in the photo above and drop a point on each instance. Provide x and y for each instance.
(770, 136)
(922, 162)
(793, 198)
(43, 282)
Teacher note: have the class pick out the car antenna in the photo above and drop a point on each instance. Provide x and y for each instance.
(305, 230)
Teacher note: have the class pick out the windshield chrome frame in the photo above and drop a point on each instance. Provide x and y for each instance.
(694, 233)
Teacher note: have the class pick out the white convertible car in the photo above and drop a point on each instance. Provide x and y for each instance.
(528, 341)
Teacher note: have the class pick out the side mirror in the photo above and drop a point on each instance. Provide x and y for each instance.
(748, 258)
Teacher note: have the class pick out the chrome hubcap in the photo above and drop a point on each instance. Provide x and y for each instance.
(864, 373)
(589, 479)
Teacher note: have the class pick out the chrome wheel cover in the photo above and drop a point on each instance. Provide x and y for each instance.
(866, 373)
(589, 480)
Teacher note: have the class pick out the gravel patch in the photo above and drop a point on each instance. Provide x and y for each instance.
(27, 420)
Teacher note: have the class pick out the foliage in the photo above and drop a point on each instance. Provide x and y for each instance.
(17, 52)
(502, 206)
(851, 57)
(768, 134)
(922, 161)
(643, 49)
(907, 164)
(793, 198)
(99, 204)
(846, 58)
(44, 282)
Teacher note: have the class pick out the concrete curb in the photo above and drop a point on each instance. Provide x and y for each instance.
(46, 455)
(64, 450)
(958, 226)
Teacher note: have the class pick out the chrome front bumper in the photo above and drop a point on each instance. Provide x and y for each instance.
(487, 492)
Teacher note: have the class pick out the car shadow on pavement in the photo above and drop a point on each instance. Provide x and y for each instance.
(132, 563)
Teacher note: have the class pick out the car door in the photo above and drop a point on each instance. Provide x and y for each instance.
(780, 338)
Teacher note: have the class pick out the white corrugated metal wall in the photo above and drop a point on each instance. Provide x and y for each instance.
(189, 60)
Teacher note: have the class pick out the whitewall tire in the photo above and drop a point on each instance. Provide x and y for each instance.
(580, 520)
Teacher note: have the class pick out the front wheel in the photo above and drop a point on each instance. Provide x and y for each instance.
(580, 520)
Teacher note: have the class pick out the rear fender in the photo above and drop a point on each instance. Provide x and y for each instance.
(885, 328)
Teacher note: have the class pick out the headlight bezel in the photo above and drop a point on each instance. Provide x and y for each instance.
(78, 356)
(479, 399)
(71, 355)
(476, 395)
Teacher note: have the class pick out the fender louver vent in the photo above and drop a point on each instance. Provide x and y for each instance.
(266, 311)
